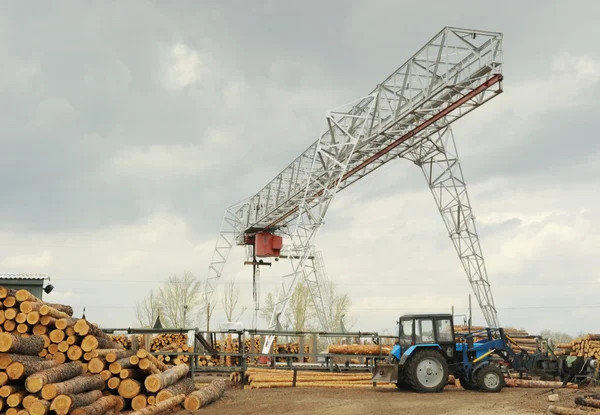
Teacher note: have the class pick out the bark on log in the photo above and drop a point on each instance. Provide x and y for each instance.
(28, 400)
(131, 374)
(587, 401)
(30, 346)
(24, 295)
(7, 358)
(67, 309)
(63, 323)
(105, 352)
(147, 365)
(20, 370)
(161, 406)
(91, 342)
(518, 383)
(559, 410)
(39, 407)
(5, 292)
(36, 382)
(129, 388)
(7, 390)
(116, 367)
(184, 386)
(29, 306)
(46, 310)
(154, 383)
(205, 396)
(63, 404)
(84, 327)
(76, 385)
(47, 320)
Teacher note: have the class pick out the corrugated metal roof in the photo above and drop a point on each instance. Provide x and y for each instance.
(23, 276)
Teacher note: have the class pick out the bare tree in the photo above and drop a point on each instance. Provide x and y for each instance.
(339, 306)
(178, 302)
(231, 297)
(300, 311)
(147, 310)
(209, 302)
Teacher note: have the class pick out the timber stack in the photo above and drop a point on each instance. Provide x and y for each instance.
(39, 374)
(585, 346)
(360, 349)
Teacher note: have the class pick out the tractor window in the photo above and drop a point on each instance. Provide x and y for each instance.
(406, 332)
(444, 329)
(424, 331)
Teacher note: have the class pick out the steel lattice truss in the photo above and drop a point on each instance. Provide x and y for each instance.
(406, 116)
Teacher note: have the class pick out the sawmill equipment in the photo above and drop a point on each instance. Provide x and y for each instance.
(407, 116)
(428, 350)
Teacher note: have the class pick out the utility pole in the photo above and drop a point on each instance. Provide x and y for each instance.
(470, 315)
(208, 316)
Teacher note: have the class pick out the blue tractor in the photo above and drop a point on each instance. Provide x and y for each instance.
(428, 351)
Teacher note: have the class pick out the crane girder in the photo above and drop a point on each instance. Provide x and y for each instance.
(408, 116)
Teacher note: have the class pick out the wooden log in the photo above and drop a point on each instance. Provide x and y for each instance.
(3, 378)
(7, 390)
(7, 358)
(130, 374)
(64, 323)
(30, 346)
(161, 406)
(114, 382)
(143, 354)
(46, 310)
(84, 327)
(116, 367)
(5, 292)
(53, 348)
(10, 313)
(57, 335)
(60, 357)
(91, 342)
(106, 374)
(33, 318)
(67, 309)
(9, 301)
(16, 398)
(29, 306)
(139, 402)
(39, 407)
(64, 404)
(134, 360)
(205, 396)
(21, 318)
(96, 365)
(559, 410)
(9, 326)
(74, 352)
(47, 321)
(28, 400)
(102, 406)
(156, 382)
(34, 383)
(588, 401)
(129, 388)
(184, 386)
(20, 370)
(63, 346)
(518, 383)
(76, 385)
(146, 365)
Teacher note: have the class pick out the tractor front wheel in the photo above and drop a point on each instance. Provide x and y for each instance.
(427, 371)
(489, 379)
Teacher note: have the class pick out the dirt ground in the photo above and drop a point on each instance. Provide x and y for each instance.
(452, 400)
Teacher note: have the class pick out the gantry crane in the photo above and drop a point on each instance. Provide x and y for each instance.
(408, 116)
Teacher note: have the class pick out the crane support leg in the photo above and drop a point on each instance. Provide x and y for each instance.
(438, 159)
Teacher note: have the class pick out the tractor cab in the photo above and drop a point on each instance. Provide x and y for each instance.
(425, 330)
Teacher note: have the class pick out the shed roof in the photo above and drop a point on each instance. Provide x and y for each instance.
(23, 276)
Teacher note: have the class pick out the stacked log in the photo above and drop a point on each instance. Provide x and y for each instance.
(271, 378)
(76, 368)
(585, 346)
(360, 349)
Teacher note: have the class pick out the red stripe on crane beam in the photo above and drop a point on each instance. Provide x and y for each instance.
(487, 84)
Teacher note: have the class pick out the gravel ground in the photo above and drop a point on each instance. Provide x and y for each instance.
(452, 400)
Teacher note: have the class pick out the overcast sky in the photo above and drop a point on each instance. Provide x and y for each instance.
(127, 128)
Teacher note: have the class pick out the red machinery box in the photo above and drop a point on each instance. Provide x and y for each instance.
(267, 244)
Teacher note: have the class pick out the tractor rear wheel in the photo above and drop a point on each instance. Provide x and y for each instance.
(427, 371)
(489, 379)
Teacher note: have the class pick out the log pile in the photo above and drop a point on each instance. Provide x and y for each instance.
(586, 346)
(360, 349)
(73, 367)
(584, 405)
(521, 339)
(171, 343)
(257, 378)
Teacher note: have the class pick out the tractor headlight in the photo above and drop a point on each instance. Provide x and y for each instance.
(450, 351)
